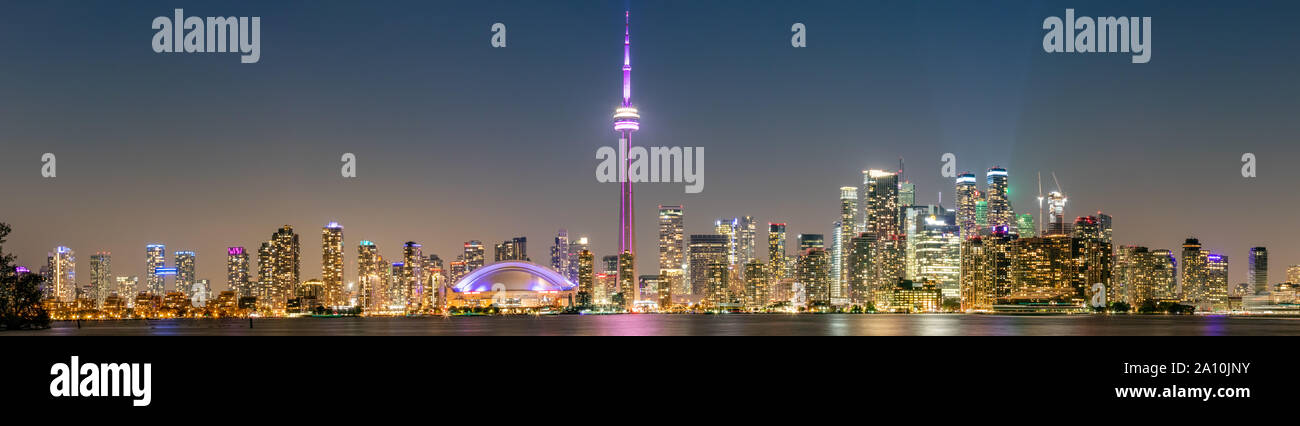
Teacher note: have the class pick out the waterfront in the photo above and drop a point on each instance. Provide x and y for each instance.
(698, 325)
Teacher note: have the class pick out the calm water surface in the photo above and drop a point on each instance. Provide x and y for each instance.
(703, 325)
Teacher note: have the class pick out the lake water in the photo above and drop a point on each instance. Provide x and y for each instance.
(702, 325)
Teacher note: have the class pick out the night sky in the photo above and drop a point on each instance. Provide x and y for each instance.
(457, 140)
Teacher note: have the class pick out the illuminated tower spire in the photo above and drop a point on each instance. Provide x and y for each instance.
(626, 121)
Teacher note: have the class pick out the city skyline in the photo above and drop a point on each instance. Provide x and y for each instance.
(141, 175)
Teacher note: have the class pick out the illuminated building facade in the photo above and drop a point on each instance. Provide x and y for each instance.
(756, 284)
(101, 276)
(412, 289)
(1193, 279)
(967, 195)
(813, 271)
(560, 252)
(936, 252)
(1025, 225)
(1096, 257)
(671, 249)
(861, 254)
(370, 268)
(586, 278)
(1046, 268)
(576, 247)
(332, 252)
(185, 273)
(1257, 275)
(985, 271)
(155, 256)
(776, 255)
(845, 232)
(62, 285)
(237, 271)
(1216, 277)
(915, 297)
(627, 286)
(512, 249)
(703, 250)
(999, 204)
(718, 283)
(474, 256)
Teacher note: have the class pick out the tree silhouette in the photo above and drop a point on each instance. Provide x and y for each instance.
(20, 294)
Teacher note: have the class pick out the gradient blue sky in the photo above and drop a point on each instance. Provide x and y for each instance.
(457, 140)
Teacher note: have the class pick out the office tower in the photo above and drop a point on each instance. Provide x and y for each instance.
(1132, 279)
(982, 215)
(756, 284)
(576, 247)
(185, 273)
(1046, 268)
(101, 277)
(1257, 275)
(1096, 258)
(586, 277)
(1216, 282)
(647, 288)
(1025, 225)
(813, 271)
(776, 257)
(1056, 224)
(626, 121)
(702, 250)
(1106, 224)
(906, 194)
(626, 280)
(967, 195)
(881, 196)
(936, 253)
(727, 227)
(412, 286)
(435, 283)
(671, 240)
(1292, 275)
(999, 205)
(473, 255)
(370, 267)
(126, 287)
(155, 256)
(609, 264)
(718, 279)
(746, 239)
(513, 249)
(237, 271)
(668, 280)
(859, 264)
(807, 241)
(332, 252)
(560, 252)
(1192, 282)
(848, 211)
(201, 292)
(62, 265)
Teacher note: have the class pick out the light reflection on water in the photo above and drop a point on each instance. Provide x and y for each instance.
(704, 325)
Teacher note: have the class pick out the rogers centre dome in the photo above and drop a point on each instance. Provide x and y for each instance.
(513, 284)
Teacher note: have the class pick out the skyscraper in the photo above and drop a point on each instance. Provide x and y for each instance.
(155, 256)
(807, 241)
(473, 255)
(560, 252)
(626, 120)
(513, 249)
(185, 273)
(967, 195)
(412, 288)
(848, 212)
(576, 246)
(813, 271)
(284, 266)
(1056, 224)
(63, 274)
(881, 196)
(1258, 272)
(999, 205)
(705, 249)
(1193, 280)
(1025, 225)
(859, 264)
(727, 227)
(237, 271)
(101, 276)
(332, 262)
(776, 255)
(586, 277)
(370, 267)
(671, 228)
(1216, 283)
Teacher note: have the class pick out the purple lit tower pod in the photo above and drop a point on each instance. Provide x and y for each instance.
(626, 121)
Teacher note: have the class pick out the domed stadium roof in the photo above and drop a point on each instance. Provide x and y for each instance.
(514, 276)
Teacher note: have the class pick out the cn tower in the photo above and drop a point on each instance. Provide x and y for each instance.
(626, 121)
